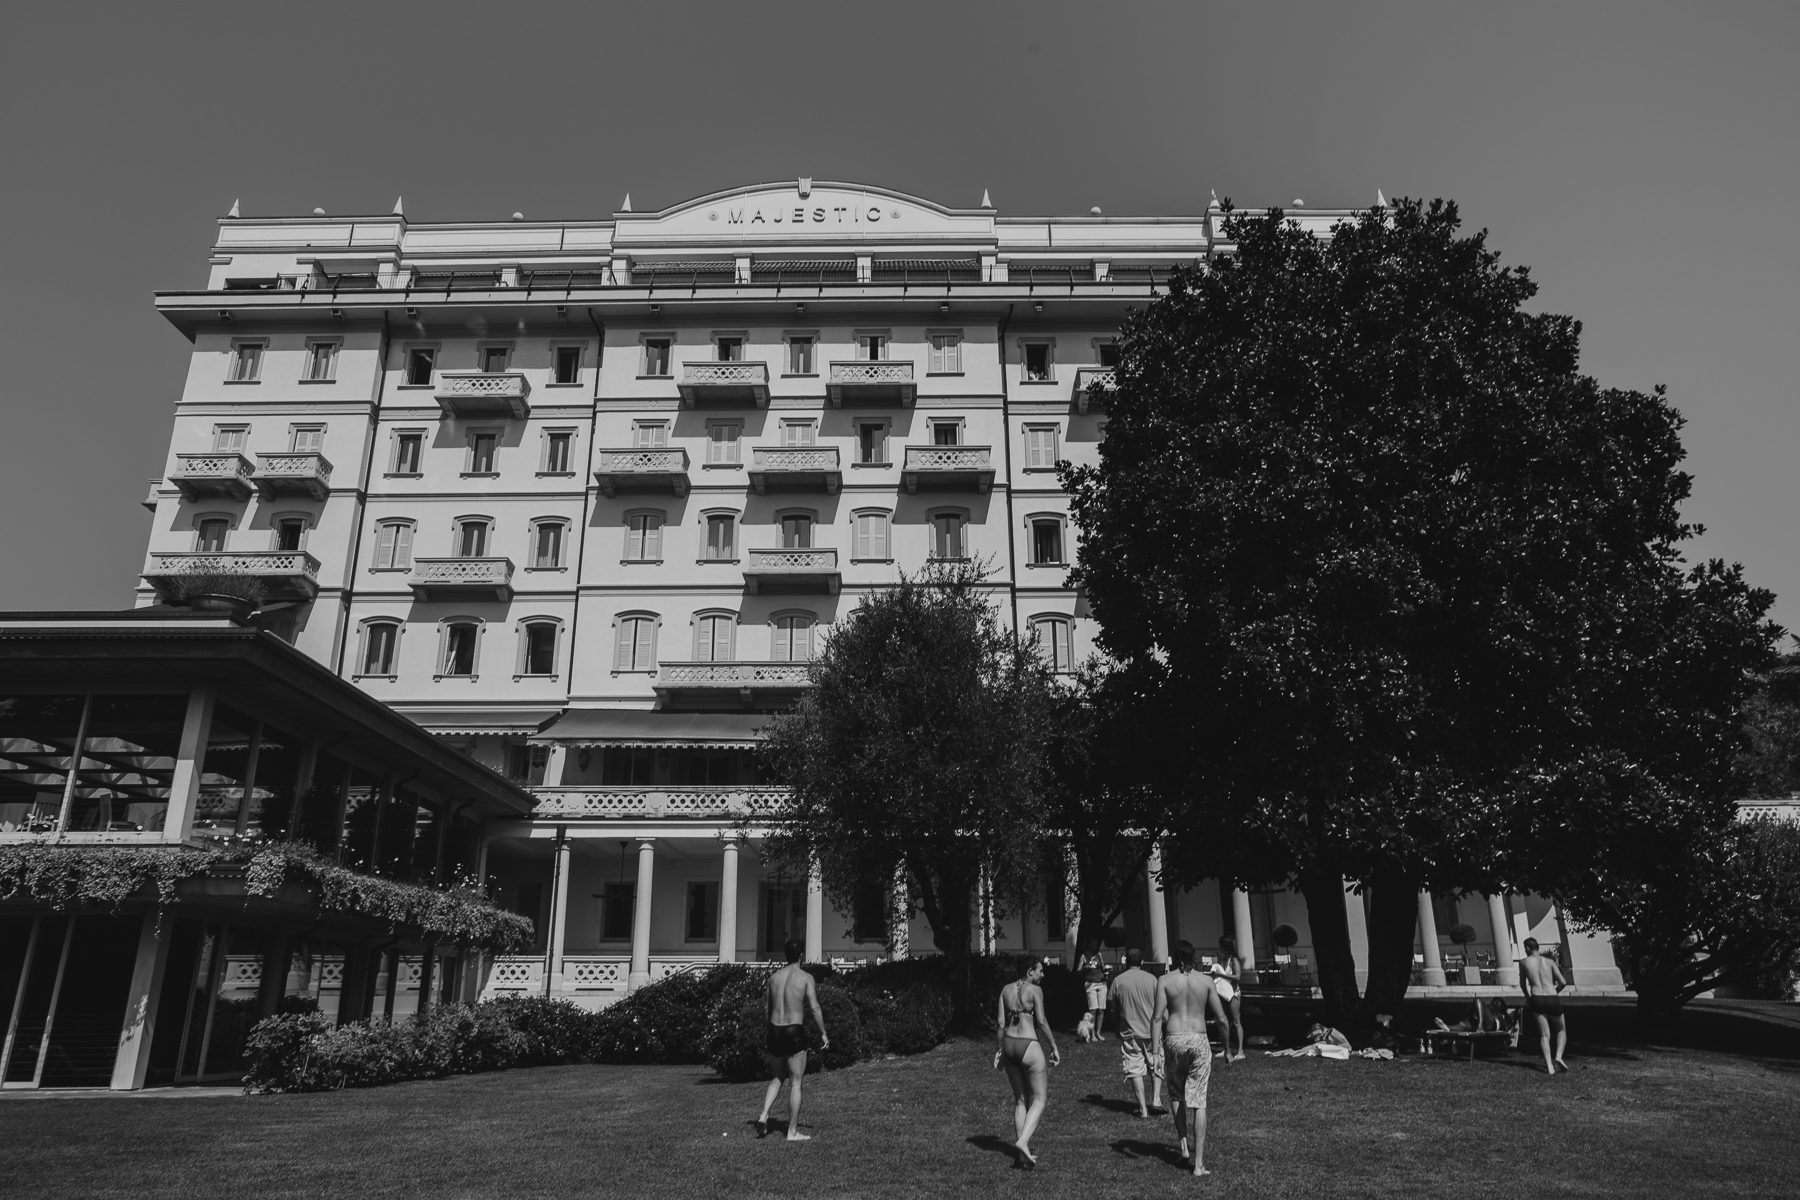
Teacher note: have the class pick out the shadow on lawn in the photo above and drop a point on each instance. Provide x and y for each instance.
(998, 1145)
(1128, 1107)
(1132, 1148)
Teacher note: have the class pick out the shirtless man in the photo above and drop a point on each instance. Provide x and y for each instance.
(1541, 980)
(791, 994)
(1184, 997)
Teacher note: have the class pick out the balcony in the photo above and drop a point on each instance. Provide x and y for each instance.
(651, 801)
(725, 383)
(293, 475)
(795, 469)
(284, 574)
(871, 383)
(710, 684)
(461, 579)
(1087, 377)
(483, 394)
(643, 469)
(948, 469)
(797, 570)
(203, 475)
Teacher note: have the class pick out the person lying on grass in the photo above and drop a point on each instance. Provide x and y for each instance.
(791, 993)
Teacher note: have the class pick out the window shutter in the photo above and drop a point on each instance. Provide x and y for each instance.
(646, 643)
(384, 546)
(403, 545)
(722, 631)
(784, 639)
(953, 354)
(878, 536)
(862, 537)
(652, 537)
(1064, 646)
(802, 639)
(627, 640)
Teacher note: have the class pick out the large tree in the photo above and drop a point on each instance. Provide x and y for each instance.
(1401, 563)
(918, 749)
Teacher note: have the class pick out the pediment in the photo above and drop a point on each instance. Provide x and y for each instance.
(801, 211)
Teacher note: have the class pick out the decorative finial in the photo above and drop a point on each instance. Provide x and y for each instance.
(627, 207)
(1094, 211)
(234, 208)
(518, 216)
(1215, 199)
(318, 212)
(805, 186)
(1299, 203)
(398, 210)
(1380, 200)
(985, 202)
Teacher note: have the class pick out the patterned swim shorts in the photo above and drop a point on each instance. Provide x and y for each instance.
(1189, 1058)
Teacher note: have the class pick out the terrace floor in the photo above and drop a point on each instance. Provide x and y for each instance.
(1713, 1116)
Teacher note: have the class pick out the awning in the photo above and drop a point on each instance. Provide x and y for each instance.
(461, 722)
(639, 727)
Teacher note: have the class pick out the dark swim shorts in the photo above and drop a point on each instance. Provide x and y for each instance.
(1544, 1006)
(785, 1041)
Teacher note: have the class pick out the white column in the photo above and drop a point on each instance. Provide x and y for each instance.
(1156, 905)
(557, 938)
(815, 916)
(1434, 957)
(1072, 906)
(555, 763)
(133, 1058)
(728, 900)
(1506, 972)
(1246, 936)
(184, 781)
(1358, 921)
(899, 917)
(640, 916)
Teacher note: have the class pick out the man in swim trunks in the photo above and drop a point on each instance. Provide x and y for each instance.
(1184, 997)
(1541, 979)
(791, 994)
(1135, 990)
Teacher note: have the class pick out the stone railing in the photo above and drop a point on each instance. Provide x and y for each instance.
(807, 561)
(725, 374)
(300, 465)
(257, 564)
(949, 458)
(650, 801)
(871, 374)
(651, 460)
(731, 674)
(794, 458)
(1087, 378)
(474, 572)
(483, 393)
(198, 467)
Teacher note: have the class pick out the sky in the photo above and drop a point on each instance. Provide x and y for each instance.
(1636, 156)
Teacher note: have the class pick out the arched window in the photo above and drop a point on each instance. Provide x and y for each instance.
(721, 536)
(715, 635)
(460, 655)
(948, 530)
(871, 536)
(1055, 641)
(289, 531)
(210, 533)
(380, 648)
(643, 537)
(393, 546)
(472, 537)
(792, 637)
(1047, 546)
(548, 536)
(537, 645)
(636, 646)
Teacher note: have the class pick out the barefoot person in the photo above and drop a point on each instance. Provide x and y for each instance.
(1184, 997)
(1135, 992)
(791, 995)
(1093, 981)
(1021, 1024)
(1541, 980)
(1227, 975)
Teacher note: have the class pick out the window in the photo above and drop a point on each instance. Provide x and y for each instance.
(290, 532)
(656, 356)
(1040, 447)
(637, 644)
(306, 439)
(472, 538)
(713, 634)
(946, 433)
(1055, 643)
(565, 364)
(421, 361)
(729, 349)
(649, 433)
(871, 442)
(796, 532)
(797, 433)
(547, 544)
(380, 640)
(407, 447)
(209, 535)
(393, 546)
(556, 451)
(1037, 362)
(643, 537)
(793, 640)
(494, 359)
(800, 356)
(538, 648)
(525, 763)
(871, 347)
(1046, 540)
(702, 912)
(947, 535)
(1107, 353)
(946, 354)
(721, 537)
(872, 535)
(321, 361)
(229, 439)
(461, 639)
(481, 452)
(722, 442)
(246, 362)
(617, 903)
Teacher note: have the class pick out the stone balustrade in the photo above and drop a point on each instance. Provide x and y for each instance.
(652, 801)
(725, 383)
(443, 578)
(948, 468)
(1087, 378)
(201, 475)
(293, 474)
(781, 468)
(484, 394)
(875, 382)
(284, 573)
(642, 468)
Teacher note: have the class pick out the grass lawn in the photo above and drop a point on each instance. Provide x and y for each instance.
(1630, 1121)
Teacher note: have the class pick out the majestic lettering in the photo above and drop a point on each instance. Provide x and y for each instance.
(735, 216)
(800, 215)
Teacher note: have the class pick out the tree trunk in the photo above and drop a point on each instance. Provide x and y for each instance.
(949, 908)
(1393, 921)
(1323, 889)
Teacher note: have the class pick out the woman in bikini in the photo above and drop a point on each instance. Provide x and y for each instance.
(1227, 972)
(1021, 1023)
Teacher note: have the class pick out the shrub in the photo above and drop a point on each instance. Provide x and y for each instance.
(278, 1054)
(552, 1031)
(736, 1031)
(458, 1039)
(910, 1022)
(665, 1021)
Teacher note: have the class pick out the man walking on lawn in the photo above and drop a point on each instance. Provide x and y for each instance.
(1135, 990)
(1183, 998)
(1541, 980)
(791, 994)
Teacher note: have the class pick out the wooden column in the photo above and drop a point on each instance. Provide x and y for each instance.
(1434, 956)
(728, 899)
(640, 916)
(1506, 972)
(184, 784)
(1156, 907)
(133, 1058)
(556, 937)
(274, 972)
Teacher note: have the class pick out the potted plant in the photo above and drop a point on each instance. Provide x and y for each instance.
(236, 595)
(1462, 935)
(1285, 936)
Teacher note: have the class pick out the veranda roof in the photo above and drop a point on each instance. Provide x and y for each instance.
(640, 727)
